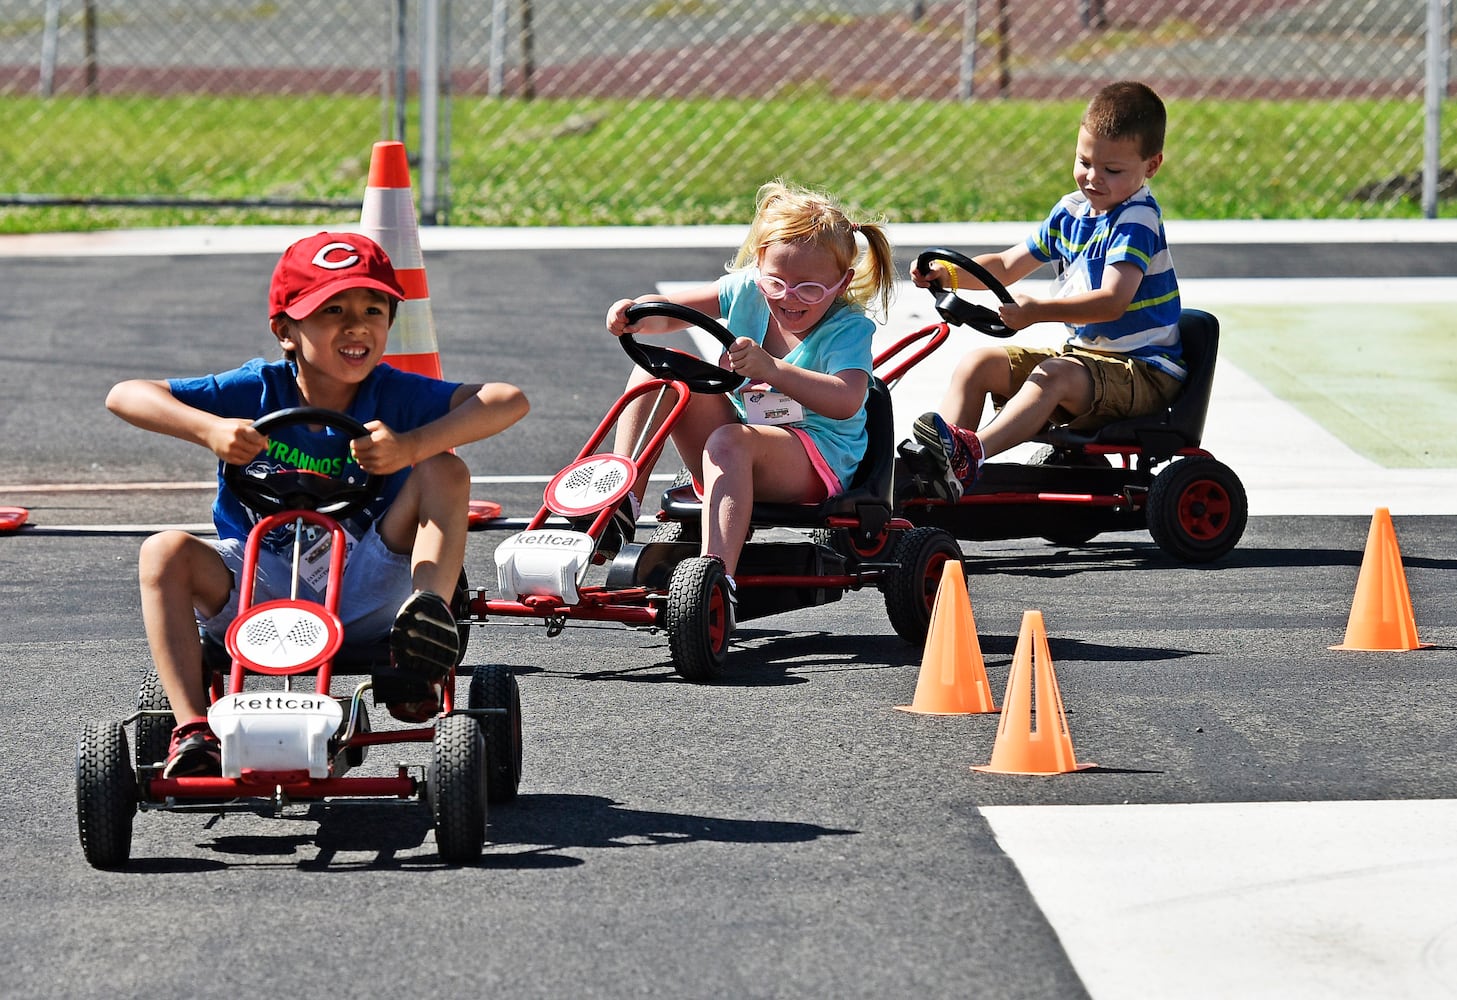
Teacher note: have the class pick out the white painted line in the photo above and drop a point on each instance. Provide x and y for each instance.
(1288, 900)
(196, 528)
(210, 485)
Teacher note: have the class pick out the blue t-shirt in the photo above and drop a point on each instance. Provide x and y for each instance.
(403, 401)
(1132, 232)
(840, 341)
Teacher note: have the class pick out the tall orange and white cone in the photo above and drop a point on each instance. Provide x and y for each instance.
(389, 219)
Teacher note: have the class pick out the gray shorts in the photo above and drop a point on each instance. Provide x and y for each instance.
(376, 582)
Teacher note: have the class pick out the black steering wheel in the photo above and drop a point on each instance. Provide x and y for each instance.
(670, 363)
(956, 310)
(300, 489)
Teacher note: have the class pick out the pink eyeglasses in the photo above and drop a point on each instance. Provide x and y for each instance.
(808, 292)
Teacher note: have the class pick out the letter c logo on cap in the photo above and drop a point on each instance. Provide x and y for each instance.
(322, 258)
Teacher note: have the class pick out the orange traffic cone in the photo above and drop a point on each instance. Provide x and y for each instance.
(1023, 747)
(388, 218)
(1381, 614)
(953, 677)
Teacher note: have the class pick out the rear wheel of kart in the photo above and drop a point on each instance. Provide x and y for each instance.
(1069, 526)
(699, 620)
(106, 794)
(1197, 509)
(154, 732)
(911, 587)
(457, 788)
(493, 687)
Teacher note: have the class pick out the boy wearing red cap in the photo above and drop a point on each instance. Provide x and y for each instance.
(331, 302)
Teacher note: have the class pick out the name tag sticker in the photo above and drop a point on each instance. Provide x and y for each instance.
(764, 405)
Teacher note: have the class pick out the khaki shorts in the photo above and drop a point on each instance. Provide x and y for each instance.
(1122, 386)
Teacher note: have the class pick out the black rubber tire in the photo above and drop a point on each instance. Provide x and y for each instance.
(460, 608)
(698, 619)
(457, 788)
(834, 539)
(154, 732)
(676, 531)
(1072, 527)
(106, 794)
(910, 589)
(493, 686)
(1197, 509)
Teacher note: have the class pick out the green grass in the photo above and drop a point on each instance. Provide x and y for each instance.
(1381, 378)
(591, 162)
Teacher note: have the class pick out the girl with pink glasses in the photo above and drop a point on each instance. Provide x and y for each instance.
(795, 298)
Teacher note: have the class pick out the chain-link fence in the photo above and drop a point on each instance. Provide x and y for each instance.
(643, 111)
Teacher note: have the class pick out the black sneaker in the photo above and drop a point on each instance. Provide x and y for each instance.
(194, 752)
(952, 454)
(424, 642)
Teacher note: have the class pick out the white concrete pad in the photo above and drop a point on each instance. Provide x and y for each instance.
(1287, 900)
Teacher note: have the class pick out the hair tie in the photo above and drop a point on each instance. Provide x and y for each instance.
(854, 227)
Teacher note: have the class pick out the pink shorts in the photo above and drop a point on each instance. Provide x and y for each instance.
(829, 482)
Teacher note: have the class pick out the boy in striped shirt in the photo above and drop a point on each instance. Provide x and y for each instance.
(1115, 290)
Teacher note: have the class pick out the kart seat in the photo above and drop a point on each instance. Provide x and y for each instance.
(867, 497)
(1181, 425)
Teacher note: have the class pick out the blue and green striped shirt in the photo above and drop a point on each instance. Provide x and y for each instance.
(1132, 232)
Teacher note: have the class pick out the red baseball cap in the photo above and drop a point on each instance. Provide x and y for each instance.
(315, 269)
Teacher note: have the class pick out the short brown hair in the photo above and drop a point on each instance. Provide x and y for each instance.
(1128, 110)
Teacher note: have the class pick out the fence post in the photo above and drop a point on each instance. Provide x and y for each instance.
(966, 75)
(497, 78)
(48, 43)
(1436, 90)
(528, 50)
(399, 38)
(429, 107)
(89, 31)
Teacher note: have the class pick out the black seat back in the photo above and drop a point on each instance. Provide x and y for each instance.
(873, 475)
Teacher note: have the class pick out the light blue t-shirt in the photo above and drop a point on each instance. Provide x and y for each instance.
(841, 341)
(1133, 233)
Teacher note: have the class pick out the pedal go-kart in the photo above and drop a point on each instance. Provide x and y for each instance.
(288, 740)
(1147, 472)
(844, 543)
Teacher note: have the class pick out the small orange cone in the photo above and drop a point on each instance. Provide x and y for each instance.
(1021, 746)
(480, 513)
(953, 677)
(11, 518)
(1381, 613)
(389, 219)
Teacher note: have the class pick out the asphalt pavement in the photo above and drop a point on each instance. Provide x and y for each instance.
(785, 833)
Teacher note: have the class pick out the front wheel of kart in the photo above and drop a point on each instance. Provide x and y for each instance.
(910, 588)
(1197, 509)
(106, 794)
(493, 688)
(154, 731)
(699, 619)
(457, 788)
